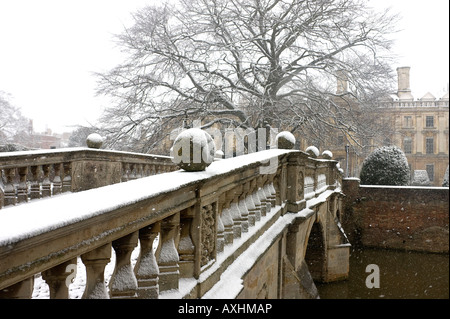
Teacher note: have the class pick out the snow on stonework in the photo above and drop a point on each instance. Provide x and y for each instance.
(94, 140)
(327, 154)
(312, 150)
(193, 150)
(285, 140)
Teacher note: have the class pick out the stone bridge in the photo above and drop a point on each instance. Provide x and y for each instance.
(261, 225)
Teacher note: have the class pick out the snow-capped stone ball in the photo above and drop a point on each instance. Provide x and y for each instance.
(312, 151)
(94, 140)
(285, 140)
(327, 155)
(193, 150)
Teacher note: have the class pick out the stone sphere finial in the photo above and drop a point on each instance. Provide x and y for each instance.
(285, 140)
(312, 151)
(193, 150)
(327, 155)
(94, 140)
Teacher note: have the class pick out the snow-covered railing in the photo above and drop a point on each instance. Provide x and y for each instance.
(30, 175)
(183, 228)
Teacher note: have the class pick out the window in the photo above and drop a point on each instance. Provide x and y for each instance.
(407, 145)
(340, 140)
(408, 121)
(429, 121)
(430, 171)
(429, 145)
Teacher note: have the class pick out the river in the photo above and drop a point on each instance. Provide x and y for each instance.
(399, 275)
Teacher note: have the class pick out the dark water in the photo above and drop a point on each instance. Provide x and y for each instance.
(402, 275)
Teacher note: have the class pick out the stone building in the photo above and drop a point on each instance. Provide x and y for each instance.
(420, 127)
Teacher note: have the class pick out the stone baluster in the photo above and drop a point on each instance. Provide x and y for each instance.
(262, 196)
(10, 191)
(57, 182)
(139, 171)
(267, 196)
(186, 248)
(20, 290)
(67, 180)
(145, 170)
(125, 171)
(243, 208)
(59, 278)
(22, 188)
(227, 219)
(35, 188)
(276, 189)
(272, 191)
(256, 200)
(46, 184)
(146, 268)
(251, 207)
(123, 283)
(95, 262)
(236, 216)
(220, 226)
(132, 174)
(168, 256)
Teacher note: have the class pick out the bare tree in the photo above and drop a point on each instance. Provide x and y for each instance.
(250, 64)
(13, 125)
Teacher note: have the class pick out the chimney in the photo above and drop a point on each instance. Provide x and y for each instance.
(342, 82)
(404, 91)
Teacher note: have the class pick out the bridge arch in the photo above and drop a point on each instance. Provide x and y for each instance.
(315, 255)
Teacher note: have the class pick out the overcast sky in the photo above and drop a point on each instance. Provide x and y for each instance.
(49, 49)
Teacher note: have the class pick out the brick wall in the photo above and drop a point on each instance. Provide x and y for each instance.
(411, 218)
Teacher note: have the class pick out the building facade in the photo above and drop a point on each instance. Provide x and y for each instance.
(420, 127)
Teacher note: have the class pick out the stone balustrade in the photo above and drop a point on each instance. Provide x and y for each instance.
(31, 175)
(187, 227)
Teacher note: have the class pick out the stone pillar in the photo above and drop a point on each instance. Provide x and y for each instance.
(35, 188)
(22, 188)
(59, 279)
(95, 262)
(227, 219)
(169, 273)
(146, 268)
(123, 282)
(186, 248)
(10, 191)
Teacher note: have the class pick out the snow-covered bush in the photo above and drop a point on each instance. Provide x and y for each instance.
(386, 165)
(420, 178)
(445, 182)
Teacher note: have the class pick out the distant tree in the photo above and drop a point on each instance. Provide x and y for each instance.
(79, 135)
(249, 64)
(13, 125)
(420, 178)
(386, 165)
